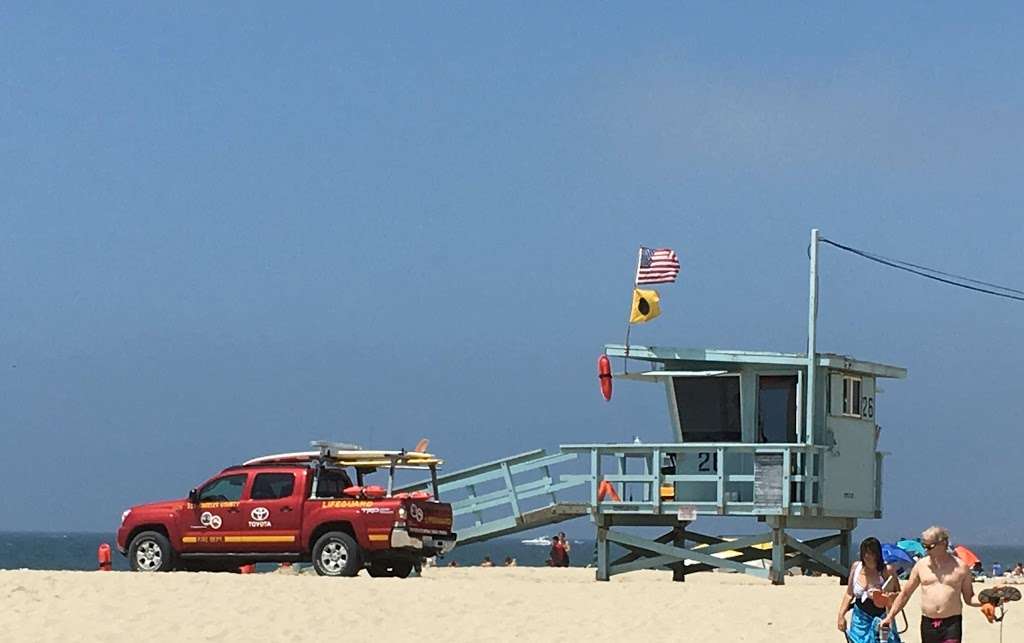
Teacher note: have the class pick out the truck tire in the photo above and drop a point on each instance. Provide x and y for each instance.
(402, 570)
(337, 554)
(205, 566)
(150, 551)
(386, 569)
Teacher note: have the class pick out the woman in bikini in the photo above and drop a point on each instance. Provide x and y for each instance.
(864, 591)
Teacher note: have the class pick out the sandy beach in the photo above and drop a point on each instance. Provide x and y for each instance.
(465, 604)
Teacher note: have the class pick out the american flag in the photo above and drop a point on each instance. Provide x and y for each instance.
(657, 266)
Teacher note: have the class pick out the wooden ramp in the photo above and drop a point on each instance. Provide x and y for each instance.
(510, 495)
(532, 519)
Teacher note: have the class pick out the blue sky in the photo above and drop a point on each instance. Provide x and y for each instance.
(228, 230)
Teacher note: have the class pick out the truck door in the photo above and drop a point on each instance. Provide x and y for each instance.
(204, 526)
(271, 513)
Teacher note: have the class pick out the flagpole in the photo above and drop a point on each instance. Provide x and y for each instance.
(629, 324)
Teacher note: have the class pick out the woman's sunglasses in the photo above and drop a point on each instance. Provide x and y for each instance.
(933, 545)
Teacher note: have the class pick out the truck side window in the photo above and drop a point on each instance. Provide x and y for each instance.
(271, 486)
(226, 489)
(332, 483)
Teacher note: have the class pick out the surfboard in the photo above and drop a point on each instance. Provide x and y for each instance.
(356, 458)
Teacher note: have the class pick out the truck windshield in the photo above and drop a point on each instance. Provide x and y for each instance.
(226, 489)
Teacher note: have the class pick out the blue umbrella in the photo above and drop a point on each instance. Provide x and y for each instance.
(912, 547)
(893, 554)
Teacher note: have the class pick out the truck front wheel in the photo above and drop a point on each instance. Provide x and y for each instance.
(150, 551)
(336, 554)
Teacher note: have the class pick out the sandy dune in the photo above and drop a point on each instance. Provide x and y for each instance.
(466, 604)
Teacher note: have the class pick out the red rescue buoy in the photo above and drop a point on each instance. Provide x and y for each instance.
(103, 557)
(604, 374)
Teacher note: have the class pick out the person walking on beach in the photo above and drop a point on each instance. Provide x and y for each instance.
(556, 556)
(865, 592)
(944, 580)
(566, 547)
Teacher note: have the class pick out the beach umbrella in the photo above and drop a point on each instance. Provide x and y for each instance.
(966, 555)
(912, 547)
(893, 554)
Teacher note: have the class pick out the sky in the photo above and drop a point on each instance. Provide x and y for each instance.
(226, 230)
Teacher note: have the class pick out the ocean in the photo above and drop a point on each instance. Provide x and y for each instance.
(77, 551)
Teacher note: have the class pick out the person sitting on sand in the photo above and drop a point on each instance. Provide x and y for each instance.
(864, 591)
(1018, 570)
(509, 561)
(487, 562)
(943, 580)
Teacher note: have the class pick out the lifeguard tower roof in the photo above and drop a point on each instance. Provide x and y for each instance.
(702, 357)
(730, 396)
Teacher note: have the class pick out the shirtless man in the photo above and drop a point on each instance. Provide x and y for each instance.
(944, 579)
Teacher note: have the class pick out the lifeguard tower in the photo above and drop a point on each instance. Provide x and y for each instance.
(790, 439)
(747, 439)
(787, 438)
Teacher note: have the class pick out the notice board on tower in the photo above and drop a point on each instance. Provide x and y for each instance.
(768, 483)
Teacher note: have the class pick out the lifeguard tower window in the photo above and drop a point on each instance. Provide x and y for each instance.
(709, 408)
(776, 408)
(851, 396)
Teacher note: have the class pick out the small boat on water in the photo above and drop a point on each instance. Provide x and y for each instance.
(539, 542)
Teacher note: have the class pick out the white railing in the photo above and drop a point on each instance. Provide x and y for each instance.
(710, 478)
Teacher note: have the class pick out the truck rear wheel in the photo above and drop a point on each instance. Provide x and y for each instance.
(384, 569)
(337, 554)
(150, 551)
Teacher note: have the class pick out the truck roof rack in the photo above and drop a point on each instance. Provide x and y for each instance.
(345, 455)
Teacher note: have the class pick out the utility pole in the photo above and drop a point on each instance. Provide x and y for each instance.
(812, 324)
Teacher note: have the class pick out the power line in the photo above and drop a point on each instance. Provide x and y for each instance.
(935, 271)
(920, 271)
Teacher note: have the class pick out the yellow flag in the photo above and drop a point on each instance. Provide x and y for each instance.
(646, 306)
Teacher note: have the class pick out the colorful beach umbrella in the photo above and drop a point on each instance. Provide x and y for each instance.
(892, 554)
(912, 547)
(966, 555)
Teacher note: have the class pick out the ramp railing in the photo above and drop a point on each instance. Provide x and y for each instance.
(508, 495)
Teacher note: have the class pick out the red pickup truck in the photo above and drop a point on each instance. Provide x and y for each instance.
(295, 507)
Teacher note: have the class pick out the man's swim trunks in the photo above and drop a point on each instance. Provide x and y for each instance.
(941, 630)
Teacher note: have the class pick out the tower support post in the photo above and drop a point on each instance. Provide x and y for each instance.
(845, 542)
(603, 551)
(679, 540)
(777, 574)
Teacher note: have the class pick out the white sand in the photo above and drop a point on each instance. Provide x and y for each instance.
(464, 604)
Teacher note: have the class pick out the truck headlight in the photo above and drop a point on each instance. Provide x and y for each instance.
(401, 513)
(124, 515)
